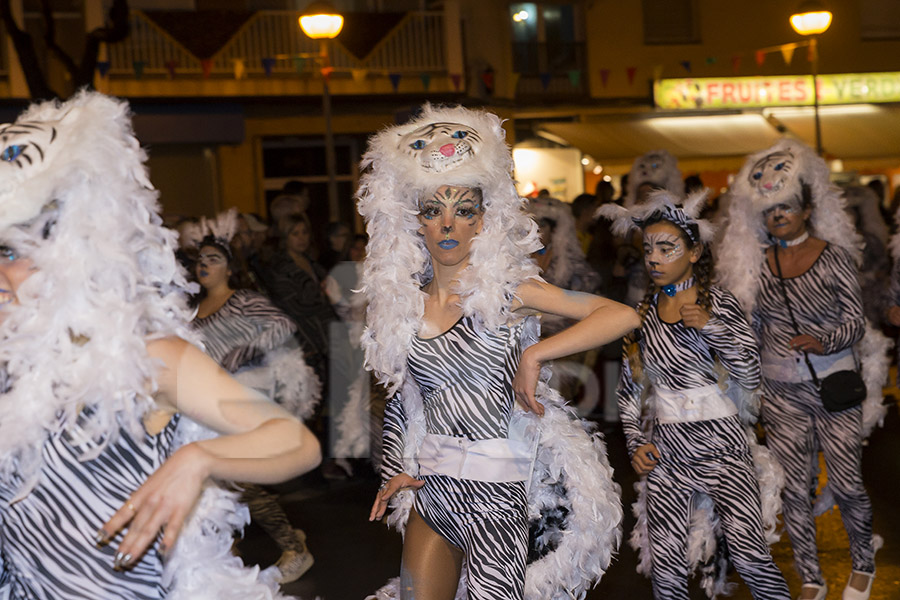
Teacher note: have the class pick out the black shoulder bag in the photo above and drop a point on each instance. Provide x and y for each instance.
(839, 391)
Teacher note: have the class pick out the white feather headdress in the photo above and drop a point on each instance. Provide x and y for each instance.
(405, 164)
(76, 201)
(222, 228)
(658, 168)
(566, 250)
(740, 253)
(664, 205)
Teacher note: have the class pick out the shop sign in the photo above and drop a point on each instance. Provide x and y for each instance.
(750, 92)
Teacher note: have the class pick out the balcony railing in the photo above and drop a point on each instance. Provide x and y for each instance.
(416, 44)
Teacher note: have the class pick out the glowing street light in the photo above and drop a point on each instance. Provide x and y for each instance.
(320, 21)
(812, 18)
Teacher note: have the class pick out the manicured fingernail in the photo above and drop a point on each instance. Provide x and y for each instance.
(121, 560)
(163, 549)
(101, 538)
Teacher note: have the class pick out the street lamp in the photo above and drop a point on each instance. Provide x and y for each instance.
(320, 21)
(812, 18)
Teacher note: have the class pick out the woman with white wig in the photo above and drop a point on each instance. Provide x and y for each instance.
(790, 254)
(450, 283)
(107, 461)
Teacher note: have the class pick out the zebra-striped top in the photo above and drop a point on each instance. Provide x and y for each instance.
(465, 376)
(246, 327)
(826, 301)
(48, 544)
(676, 357)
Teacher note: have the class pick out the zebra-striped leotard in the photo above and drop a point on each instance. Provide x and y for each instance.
(709, 456)
(826, 301)
(465, 376)
(49, 551)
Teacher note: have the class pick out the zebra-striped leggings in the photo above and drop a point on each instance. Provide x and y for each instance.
(710, 457)
(797, 425)
(487, 520)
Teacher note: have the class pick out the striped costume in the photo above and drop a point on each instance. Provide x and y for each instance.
(49, 552)
(703, 448)
(827, 305)
(466, 382)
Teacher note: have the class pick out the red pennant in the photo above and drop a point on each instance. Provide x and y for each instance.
(760, 58)
(456, 78)
(736, 63)
(172, 65)
(604, 76)
(326, 72)
(632, 71)
(487, 78)
(206, 64)
(811, 53)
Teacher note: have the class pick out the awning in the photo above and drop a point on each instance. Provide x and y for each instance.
(722, 141)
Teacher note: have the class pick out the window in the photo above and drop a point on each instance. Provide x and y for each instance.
(670, 22)
(879, 20)
(545, 38)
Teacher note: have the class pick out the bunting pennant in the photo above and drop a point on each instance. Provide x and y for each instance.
(456, 78)
(811, 53)
(395, 80)
(657, 72)
(760, 58)
(138, 67)
(426, 80)
(736, 63)
(787, 53)
(687, 65)
(206, 64)
(546, 78)
(172, 65)
(268, 64)
(299, 64)
(631, 71)
(487, 78)
(239, 70)
(711, 60)
(359, 75)
(604, 76)
(103, 67)
(514, 82)
(326, 73)
(575, 78)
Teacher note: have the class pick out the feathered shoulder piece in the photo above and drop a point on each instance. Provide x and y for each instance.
(658, 168)
(404, 165)
(665, 206)
(221, 229)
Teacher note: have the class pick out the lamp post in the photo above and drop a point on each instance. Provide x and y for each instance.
(812, 18)
(321, 22)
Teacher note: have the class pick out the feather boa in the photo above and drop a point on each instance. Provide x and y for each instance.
(569, 454)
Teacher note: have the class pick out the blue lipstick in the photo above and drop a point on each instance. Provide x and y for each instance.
(448, 244)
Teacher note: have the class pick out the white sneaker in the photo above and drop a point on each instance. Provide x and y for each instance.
(821, 591)
(851, 593)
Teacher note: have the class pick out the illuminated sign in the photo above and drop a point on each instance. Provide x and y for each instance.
(794, 90)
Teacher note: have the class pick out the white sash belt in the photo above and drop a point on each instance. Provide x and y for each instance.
(693, 404)
(495, 459)
(793, 369)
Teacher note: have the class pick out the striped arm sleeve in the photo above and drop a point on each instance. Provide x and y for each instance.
(728, 333)
(628, 395)
(393, 437)
(848, 297)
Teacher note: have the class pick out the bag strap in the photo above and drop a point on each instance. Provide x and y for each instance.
(787, 302)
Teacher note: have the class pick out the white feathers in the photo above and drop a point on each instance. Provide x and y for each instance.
(222, 228)
(659, 169)
(664, 204)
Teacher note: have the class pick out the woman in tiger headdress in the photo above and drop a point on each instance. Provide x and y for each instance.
(107, 462)
(449, 283)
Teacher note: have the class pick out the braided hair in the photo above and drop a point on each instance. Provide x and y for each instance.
(702, 271)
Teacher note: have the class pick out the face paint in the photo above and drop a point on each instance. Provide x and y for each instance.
(662, 248)
(780, 209)
(450, 217)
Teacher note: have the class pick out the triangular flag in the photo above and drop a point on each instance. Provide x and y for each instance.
(359, 75)
(395, 80)
(267, 64)
(239, 70)
(426, 80)
(206, 64)
(687, 65)
(631, 72)
(604, 76)
(138, 66)
(299, 64)
(787, 53)
(514, 81)
(172, 65)
(456, 78)
(546, 78)
(760, 58)
(711, 60)
(103, 67)
(326, 73)
(811, 53)
(487, 78)
(657, 72)
(736, 63)
(575, 77)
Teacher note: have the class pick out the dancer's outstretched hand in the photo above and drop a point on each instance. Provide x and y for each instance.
(160, 505)
(525, 384)
(398, 482)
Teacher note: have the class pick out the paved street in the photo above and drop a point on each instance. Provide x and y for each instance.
(354, 557)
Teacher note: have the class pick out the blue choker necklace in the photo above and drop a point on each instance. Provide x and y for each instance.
(794, 242)
(671, 289)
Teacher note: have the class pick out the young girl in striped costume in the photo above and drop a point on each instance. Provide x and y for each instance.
(449, 281)
(696, 453)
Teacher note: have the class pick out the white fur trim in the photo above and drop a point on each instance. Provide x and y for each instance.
(657, 167)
